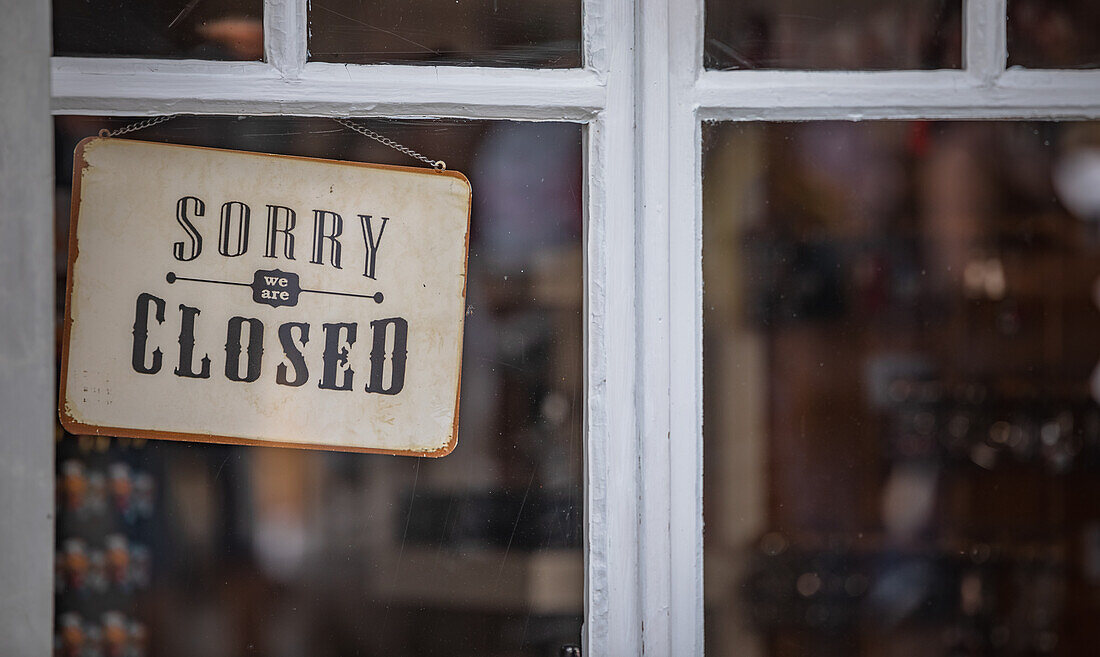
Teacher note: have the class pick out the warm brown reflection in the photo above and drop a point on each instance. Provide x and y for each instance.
(534, 33)
(232, 29)
(1054, 33)
(901, 372)
(853, 34)
(175, 549)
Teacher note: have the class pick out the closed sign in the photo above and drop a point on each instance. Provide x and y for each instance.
(263, 299)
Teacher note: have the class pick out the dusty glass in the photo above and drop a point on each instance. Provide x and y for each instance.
(846, 35)
(901, 428)
(190, 29)
(1054, 33)
(535, 33)
(171, 548)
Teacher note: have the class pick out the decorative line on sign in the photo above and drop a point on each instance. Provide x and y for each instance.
(274, 287)
(172, 278)
(377, 296)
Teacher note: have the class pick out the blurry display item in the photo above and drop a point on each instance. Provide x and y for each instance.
(77, 565)
(144, 495)
(971, 422)
(141, 566)
(74, 484)
(402, 279)
(118, 560)
(116, 634)
(984, 591)
(122, 489)
(118, 566)
(98, 579)
(97, 493)
(99, 567)
(1076, 179)
(71, 638)
(139, 639)
(89, 494)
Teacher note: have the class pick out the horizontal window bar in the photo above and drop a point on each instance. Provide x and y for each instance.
(797, 95)
(150, 87)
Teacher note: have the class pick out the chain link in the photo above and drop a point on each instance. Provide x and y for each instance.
(439, 165)
(137, 125)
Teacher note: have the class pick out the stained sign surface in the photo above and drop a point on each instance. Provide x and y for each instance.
(249, 298)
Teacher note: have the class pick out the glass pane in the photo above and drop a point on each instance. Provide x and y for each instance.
(174, 549)
(902, 436)
(1054, 33)
(535, 33)
(842, 35)
(190, 29)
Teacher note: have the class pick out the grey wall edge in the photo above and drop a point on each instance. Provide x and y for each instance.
(27, 392)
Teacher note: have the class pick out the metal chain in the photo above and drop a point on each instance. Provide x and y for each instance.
(138, 125)
(439, 165)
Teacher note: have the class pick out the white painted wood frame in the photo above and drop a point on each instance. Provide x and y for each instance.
(642, 95)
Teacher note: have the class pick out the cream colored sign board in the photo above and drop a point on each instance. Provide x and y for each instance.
(263, 299)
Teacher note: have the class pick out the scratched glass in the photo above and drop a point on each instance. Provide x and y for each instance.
(845, 35)
(1054, 33)
(533, 33)
(191, 29)
(901, 375)
(176, 549)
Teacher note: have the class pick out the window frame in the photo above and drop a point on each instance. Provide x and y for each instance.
(642, 95)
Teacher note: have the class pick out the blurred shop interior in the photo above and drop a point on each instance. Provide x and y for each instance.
(171, 549)
(901, 375)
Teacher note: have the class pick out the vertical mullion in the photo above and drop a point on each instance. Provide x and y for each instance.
(653, 123)
(285, 45)
(985, 34)
(612, 600)
(685, 332)
(685, 326)
(669, 351)
(670, 45)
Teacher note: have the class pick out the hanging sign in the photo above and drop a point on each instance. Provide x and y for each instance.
(238, 297)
